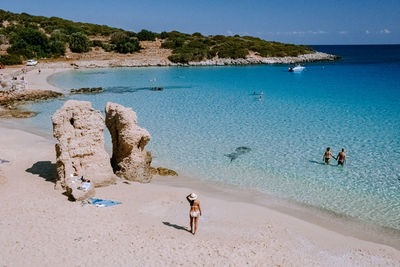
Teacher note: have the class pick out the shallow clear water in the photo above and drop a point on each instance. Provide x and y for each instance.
(205, 113)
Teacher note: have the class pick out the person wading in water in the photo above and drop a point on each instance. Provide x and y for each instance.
(341, 157)
(195, 211)
(328, 155)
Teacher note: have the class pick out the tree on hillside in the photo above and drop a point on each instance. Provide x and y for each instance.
(29, 43)
(79, 42)
(145, 35)
(122, 43)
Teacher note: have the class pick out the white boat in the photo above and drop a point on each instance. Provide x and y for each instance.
(297, 68)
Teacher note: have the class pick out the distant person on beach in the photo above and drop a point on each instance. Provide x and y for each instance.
(328, 155)
(195, 211)
(341, 157)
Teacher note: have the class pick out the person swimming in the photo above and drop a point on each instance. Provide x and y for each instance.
(195, 211)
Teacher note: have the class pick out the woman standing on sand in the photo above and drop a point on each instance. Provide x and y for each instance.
(195, 211)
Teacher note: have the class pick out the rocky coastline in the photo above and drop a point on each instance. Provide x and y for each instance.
(251, 59)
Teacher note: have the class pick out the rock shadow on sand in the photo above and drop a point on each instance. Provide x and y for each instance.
(44, 169)
(178, 227)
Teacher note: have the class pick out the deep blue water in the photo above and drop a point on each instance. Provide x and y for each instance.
(205, 113)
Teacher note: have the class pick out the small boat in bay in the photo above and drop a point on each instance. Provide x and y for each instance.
(297, 68)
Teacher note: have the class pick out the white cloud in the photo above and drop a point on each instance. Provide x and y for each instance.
(385, 31)
(229, 32)
(319, 32)
(301, 32)
(367, 32)
(343, 32)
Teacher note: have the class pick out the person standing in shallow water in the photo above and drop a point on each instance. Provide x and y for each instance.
(328, 155)
(341, 157)
(194, 212)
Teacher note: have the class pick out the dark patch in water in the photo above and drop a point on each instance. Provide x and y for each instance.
(128, 89)
(238, 151)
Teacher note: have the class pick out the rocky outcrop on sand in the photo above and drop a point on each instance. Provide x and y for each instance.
(10, 98)
(129, 159)
(79, 130)
(163, 171)
(76, 191)
(13, 94)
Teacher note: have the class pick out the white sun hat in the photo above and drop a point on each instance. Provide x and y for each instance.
(193, 196)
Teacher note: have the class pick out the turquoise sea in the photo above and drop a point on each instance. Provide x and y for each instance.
(206, 113)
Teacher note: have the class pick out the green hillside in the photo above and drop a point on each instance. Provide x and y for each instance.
(30, 36)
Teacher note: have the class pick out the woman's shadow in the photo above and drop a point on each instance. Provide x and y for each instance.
(176, 226)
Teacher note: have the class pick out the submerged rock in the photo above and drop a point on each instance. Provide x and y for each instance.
(15, 113)
(79, 130)
(86, 90)
(129, 159)
(238, 151)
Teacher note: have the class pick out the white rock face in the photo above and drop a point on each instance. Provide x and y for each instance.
(129, 159)
(79, 130)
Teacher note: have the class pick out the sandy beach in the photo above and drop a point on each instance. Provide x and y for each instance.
(40, 227)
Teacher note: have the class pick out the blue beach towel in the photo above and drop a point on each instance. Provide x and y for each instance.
(103, 203)
(3, 161)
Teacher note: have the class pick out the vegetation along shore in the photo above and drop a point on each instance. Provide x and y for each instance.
(23, 36)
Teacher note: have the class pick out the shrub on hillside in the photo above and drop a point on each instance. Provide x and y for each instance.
(164, 35)
(122, 43)
(130, 46)
(145, 35)
(10, 60)
(57, 48)
(97, 43)
(79, 42)
(29, 43)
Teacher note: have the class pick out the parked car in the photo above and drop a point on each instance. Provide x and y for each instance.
(31, 62)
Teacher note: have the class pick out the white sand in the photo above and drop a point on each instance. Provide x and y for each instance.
(40, 227)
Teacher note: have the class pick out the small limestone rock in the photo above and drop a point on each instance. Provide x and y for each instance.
(163, 171)
(166, 172)
(79, 130)
(129, 159)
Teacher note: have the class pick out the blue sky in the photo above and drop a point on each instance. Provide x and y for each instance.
(300, 22)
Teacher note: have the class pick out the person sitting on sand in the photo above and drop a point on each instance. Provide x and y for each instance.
(328, 155)
(341, 157)
(195, 211)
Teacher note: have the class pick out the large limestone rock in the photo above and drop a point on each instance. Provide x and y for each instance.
(79, 130)
(129, 159)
